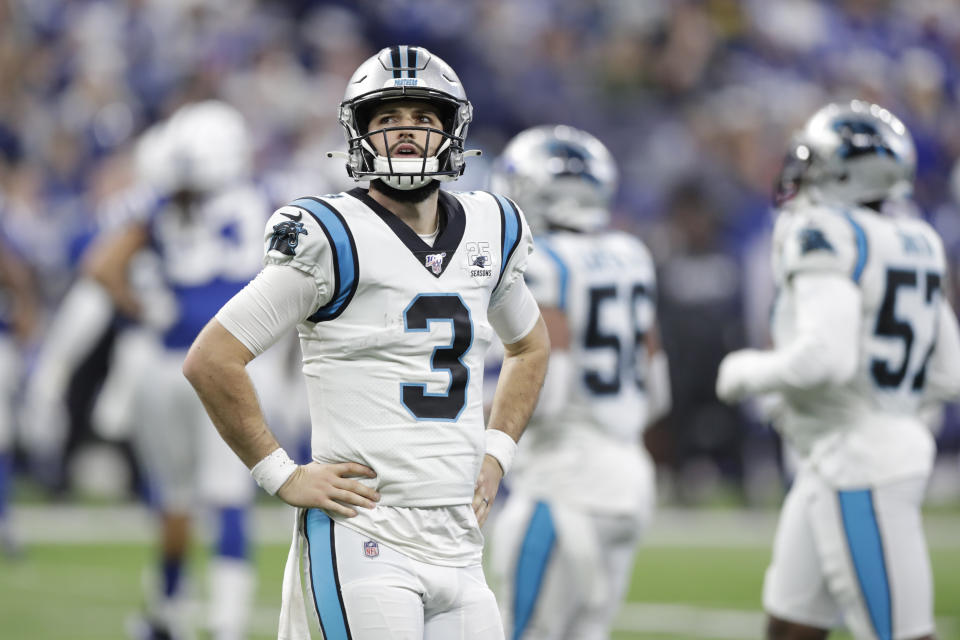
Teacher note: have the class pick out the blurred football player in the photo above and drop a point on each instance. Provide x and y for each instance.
(18, 311)
(206, 229)
(864, 338)
(582, 488)
(396, 291)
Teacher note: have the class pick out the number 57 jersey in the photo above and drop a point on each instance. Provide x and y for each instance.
(868, 430)
(393, 355)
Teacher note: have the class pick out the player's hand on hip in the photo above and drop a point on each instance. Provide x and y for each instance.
(488, 482)
(330, 487)
(733, 376)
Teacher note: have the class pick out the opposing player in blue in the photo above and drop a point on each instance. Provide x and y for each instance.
(396, 291)
(206, 229)
(18, 313)
(864, 338)
(582, 487)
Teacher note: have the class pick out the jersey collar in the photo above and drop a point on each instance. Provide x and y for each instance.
(434, 259)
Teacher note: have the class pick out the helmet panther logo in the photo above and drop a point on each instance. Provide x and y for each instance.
(859, 139)
(286, 237)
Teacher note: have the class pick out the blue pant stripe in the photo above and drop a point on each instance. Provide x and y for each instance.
(323, 576)
(531, 566)
(866, 551)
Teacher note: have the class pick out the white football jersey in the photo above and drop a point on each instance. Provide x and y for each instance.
(605, 285)
(867, 430)
(393, 357)
(207, 254)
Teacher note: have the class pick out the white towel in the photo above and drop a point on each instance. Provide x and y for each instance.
(293, 611)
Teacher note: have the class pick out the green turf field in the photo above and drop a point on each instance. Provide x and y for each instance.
(88, 591)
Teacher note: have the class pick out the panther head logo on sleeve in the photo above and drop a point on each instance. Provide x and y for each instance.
(286, 237)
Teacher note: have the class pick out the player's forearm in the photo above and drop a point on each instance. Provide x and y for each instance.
(521, 377)
(806, 363)
(108, 261)
(826, 346)
(120, 292)
(217, 370)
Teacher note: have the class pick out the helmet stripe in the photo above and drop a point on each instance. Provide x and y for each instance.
(413, 57)
(395, 60)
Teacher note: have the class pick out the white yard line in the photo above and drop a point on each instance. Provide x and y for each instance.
(715, 624)
(273, 524)
(635, 617)
(691, 621)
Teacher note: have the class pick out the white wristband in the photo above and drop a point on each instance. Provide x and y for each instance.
(273, 471)
(502, 447)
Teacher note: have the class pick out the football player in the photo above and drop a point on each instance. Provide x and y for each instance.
(18, 312)
(864, 338)
(582, 487)
(206, 230)
(396, 291)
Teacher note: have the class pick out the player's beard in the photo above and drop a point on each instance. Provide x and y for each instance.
(408, 196)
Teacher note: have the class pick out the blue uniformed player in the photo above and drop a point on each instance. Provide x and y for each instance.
(18, 309)
(206, 231)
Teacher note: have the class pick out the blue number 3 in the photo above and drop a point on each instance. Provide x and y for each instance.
(440, 307)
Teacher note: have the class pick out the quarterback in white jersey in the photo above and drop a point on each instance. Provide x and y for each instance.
(396, 292)
(864, 338)
(582, 488)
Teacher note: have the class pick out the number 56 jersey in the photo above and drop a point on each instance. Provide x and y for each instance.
(393, 355)
(868, 430)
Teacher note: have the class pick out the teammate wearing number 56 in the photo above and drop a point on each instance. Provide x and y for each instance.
(864, 339)
(582, 489)
(396, 292)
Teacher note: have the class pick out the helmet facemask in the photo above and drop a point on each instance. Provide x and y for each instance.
(412, 73)
(794, 173)
(365, 163)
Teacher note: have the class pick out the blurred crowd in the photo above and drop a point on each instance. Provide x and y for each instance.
(695, 98)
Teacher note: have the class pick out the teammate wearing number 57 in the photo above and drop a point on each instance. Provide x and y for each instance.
(396, 292)
(864, 340)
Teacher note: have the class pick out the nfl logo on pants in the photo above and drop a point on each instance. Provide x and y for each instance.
(371, 549)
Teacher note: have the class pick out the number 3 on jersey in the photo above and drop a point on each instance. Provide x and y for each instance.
(442, 307)
(904, 327)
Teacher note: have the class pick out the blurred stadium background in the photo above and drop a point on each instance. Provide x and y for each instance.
(695, 98)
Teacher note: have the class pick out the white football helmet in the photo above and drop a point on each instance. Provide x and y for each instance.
(560, 176)
(204, 146)
(849, 153)
(405, 72)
